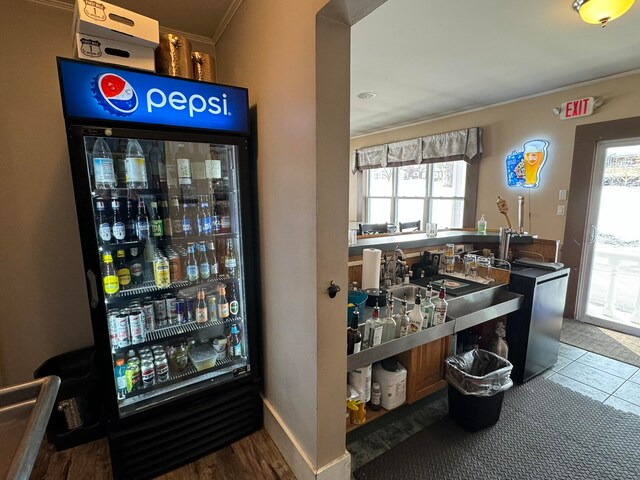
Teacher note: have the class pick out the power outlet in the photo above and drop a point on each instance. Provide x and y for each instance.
(562, 196)
(560, 210)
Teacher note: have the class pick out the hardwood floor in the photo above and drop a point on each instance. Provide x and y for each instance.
(253, 457)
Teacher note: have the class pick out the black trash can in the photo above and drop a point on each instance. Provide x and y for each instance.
(477, 382)
(78, 415)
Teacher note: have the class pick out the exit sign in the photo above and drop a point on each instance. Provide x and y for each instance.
(582, 107)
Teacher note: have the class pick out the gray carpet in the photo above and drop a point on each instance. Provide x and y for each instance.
(609, 343)
(545, 432)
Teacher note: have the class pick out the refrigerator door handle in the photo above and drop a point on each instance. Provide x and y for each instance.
(92, 288)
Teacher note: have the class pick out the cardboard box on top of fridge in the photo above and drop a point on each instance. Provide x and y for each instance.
(101, 19)
(110, 51)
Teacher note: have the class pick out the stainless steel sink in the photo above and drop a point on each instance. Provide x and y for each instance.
(478, 307)
(24, 414)
(398, 292)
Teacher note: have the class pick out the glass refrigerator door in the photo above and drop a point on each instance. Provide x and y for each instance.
(167, 220)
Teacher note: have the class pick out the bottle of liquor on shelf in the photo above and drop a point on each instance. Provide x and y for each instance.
(204, 265)
(212, 169)
(440, 308)
(103, 171)
(235, 344)
(136, 267)
(375, 328)
(110, 282)
(415, 316)
(157, 226)
(118, 228)
(157, 167)
(234, 305)
(183, 163)
(123, 270)
(223, 304)
(213, 259)
(135, 166)
(402, 322)
(104, 226)
(201, 308)
(388, 323)
(131, 234)
(230, 261)
(192, 263)
(187, 221)
(354, 337)
(427, 308)
(175, 214)
(143, 228)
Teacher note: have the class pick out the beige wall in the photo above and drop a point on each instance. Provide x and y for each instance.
(506, 128)
(45, 310)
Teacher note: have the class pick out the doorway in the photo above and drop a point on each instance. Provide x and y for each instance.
(610, 286)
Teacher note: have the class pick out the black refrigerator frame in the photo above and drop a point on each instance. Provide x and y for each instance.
(139, 448)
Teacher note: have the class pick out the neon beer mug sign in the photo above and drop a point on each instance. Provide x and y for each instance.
(524, 166)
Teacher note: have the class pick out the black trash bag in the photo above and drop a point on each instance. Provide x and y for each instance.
(479, 373)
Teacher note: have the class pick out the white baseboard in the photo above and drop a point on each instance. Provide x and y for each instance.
(295, 456)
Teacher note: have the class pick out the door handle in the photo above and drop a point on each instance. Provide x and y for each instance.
(592, 238)
(93, 289)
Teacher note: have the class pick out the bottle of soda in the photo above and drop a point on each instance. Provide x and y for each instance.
(135, 166)
(103, 171)
(104, 226)
(121, 378)
(143, 227)
(118, 228)
(235, 345)
(123, 270)
(110, 281)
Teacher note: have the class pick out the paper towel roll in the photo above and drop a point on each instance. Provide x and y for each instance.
(371, 268)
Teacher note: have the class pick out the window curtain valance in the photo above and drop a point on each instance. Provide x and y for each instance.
(443, 147)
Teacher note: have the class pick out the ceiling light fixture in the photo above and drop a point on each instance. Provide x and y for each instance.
(366, 95)
(601, 11)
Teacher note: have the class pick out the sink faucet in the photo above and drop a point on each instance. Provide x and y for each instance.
(394, 267)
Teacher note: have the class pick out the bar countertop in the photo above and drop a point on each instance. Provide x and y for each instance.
(419, 240)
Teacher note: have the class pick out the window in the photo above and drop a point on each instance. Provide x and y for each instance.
(433, 193)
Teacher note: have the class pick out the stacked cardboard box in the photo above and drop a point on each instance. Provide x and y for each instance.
(110, 34)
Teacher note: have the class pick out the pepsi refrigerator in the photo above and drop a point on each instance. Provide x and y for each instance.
(167, 220)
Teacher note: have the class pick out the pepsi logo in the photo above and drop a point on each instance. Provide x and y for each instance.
(115, 94)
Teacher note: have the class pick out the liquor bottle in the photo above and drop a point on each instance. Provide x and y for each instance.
(110, 281)
(225, 217)
(183, 164)
(104, 227)
(135, 166)
(234, 305)
(427, 308)
(192, 263)
(440, 308)
(213, 259)
(388, 323)
(157, 167)
(213, 170)
(402, 321)
(375, 328)
(176, 217)
(235, 344)
(103, 171)
(230, 262)
(143, 229)
(187, 223)
(204, 266)
(135, 267)
(167, 226)
(123, 270)
(131, 234)
(118, 229)
(157, 227)
(201, 308)
(415, 316)
(354, 337)
(223, 305)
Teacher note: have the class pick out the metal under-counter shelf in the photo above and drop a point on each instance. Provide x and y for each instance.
(24, 414)
(463, 312)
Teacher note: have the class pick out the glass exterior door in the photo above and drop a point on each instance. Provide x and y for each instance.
(167, 222)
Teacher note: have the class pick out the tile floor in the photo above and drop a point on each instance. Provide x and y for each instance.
(609, 381)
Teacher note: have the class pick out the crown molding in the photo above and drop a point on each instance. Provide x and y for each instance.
(231, 11)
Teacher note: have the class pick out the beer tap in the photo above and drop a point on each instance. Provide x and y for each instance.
(505, 233)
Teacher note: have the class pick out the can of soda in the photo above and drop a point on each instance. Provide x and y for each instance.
(148, 372)
(133, 374)
(170, 301)
(112, 322)
(149, 316)
(162, 368)
(180, 317)
(122, 329)
(160, 307)
(136, 326)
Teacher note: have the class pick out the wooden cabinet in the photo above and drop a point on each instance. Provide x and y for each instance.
(425, 368)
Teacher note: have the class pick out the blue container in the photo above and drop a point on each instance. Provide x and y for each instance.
(358, 299)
